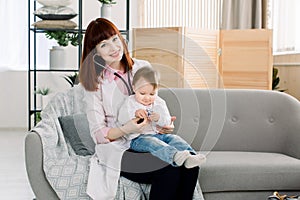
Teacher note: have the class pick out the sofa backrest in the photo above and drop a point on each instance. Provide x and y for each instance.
(234, 119)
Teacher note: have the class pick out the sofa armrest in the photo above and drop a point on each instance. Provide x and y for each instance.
(34, 168)
(292, 143)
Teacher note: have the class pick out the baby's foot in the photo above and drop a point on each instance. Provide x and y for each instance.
(180, 157)
(194, 160)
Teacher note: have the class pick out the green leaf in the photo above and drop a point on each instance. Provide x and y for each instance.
(63, 38)
(38, 117)
(71, 79)
(43, 91)
(276, 79)
(107, 1)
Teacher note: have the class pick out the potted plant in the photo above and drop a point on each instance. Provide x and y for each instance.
(43, 92)
(107, 1)
(38, 116)
(63, 39)
(276, 81)
(106, 8)
(72, 79)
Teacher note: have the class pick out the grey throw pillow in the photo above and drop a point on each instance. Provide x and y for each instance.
(76, 130)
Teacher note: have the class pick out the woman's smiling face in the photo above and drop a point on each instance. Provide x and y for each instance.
(111, 50)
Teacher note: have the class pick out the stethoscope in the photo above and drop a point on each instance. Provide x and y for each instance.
(127, 84)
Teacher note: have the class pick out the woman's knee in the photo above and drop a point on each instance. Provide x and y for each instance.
(192, 172)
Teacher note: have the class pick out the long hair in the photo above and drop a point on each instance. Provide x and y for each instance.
(97, 31)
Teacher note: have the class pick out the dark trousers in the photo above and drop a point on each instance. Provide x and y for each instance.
(167, 182)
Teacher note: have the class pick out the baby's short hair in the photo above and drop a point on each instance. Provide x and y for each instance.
(149, 74)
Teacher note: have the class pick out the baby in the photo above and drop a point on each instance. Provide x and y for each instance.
(146, 105)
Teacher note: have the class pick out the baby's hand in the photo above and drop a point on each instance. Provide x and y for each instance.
(167, 129)
(133, 127)
(154, 117)
(141, 113)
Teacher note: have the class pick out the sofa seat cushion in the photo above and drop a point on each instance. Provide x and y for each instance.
(249, 171)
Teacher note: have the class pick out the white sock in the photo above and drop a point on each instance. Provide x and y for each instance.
(194, 160)
(180, 157)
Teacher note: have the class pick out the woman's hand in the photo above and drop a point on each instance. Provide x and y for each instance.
(130, 127)
(167, 129)
(133, 127)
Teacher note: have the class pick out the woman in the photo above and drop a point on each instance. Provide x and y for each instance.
(106, 73)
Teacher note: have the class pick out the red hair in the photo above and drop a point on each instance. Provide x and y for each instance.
(97, 31)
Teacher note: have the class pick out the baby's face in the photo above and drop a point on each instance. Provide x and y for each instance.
(144, 93)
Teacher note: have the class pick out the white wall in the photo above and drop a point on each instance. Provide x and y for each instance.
(14, 99)
(13, 84)
(13, 106)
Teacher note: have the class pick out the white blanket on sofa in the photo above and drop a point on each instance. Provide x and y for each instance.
(67, 172)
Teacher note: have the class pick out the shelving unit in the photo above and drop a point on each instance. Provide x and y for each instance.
(33, 69)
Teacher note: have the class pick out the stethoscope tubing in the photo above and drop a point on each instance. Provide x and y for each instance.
(127, 84)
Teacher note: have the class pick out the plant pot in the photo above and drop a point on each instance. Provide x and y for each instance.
(57, 57)
(39, 101)
(45, 100)
(106, 11)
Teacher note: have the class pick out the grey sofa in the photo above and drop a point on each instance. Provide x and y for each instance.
(251, 138)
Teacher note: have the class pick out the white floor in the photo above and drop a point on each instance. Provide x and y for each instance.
(14, 183)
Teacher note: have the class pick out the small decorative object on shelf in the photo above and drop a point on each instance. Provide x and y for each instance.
(55, 15)
(44, 98)
(55, 3)
(106, 8)
(107, 1)
(57, 58)
(63, 38)
(57, 53)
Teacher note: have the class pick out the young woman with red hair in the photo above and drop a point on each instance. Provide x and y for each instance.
(106, 73)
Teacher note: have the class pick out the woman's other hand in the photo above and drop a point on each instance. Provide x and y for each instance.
(130, 127)
(167, 129)
(133, 126)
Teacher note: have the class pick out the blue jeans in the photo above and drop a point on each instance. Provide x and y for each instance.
(163, 146)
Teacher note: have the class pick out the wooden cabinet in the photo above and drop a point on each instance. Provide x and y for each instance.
(163, 49)
(197, 58)
(246, 60)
